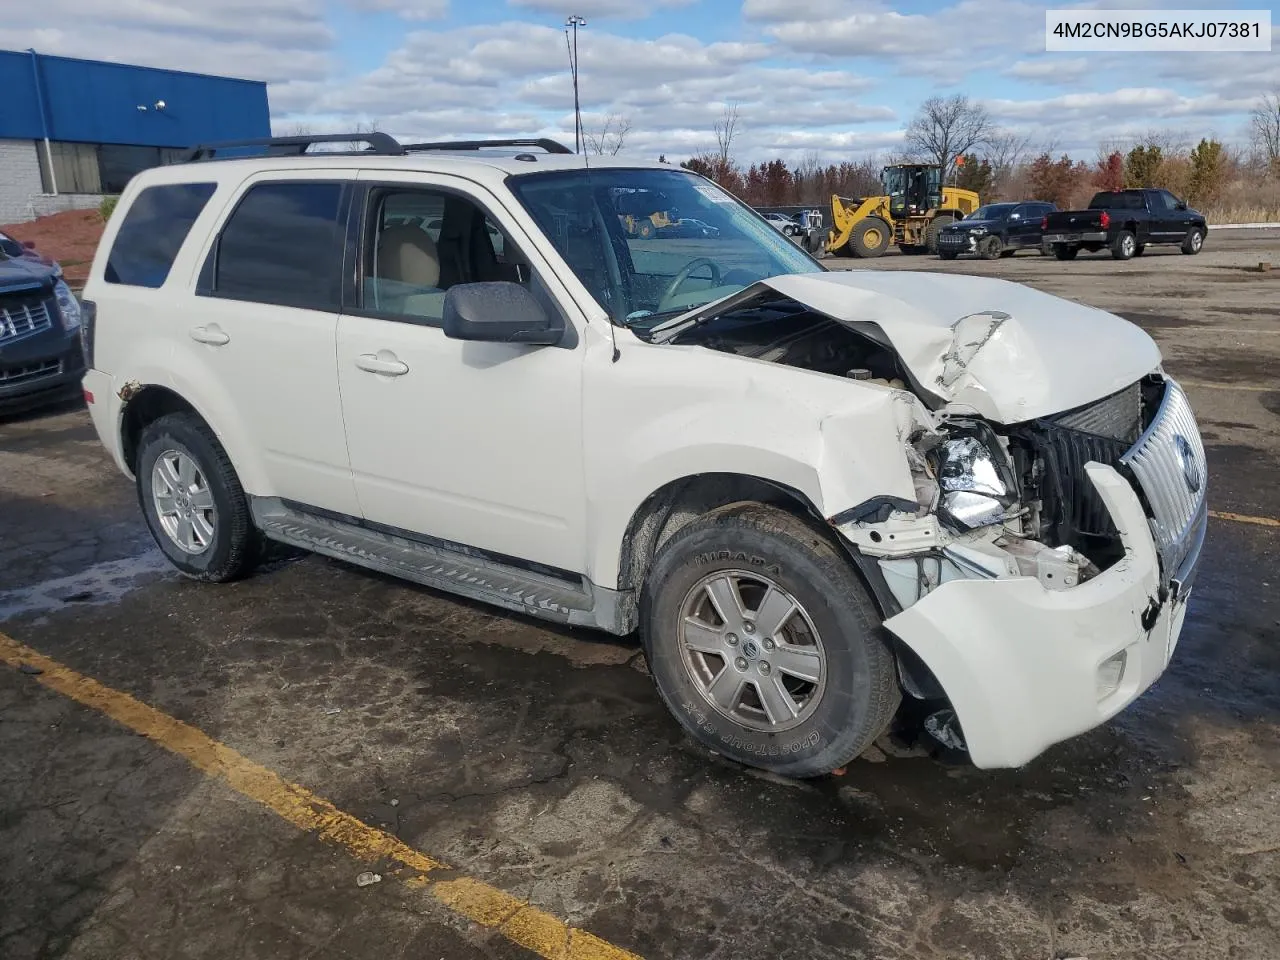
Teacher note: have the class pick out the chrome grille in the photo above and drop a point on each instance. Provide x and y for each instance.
(23, 316)
(1169, 463)
(29, 372)
(1118, 417)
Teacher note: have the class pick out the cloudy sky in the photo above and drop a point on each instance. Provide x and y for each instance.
(841, 77)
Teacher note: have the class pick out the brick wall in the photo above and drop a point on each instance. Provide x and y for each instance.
(21, 196)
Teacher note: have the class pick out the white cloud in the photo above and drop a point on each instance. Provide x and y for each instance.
(602, 9)
(1057, 71)
(408, 9)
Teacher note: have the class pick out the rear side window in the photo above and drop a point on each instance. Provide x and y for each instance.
(283, 245)
(154, 228)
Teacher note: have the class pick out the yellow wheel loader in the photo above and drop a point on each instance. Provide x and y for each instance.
(914, 207)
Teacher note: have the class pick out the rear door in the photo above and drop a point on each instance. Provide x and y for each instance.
(264, 323)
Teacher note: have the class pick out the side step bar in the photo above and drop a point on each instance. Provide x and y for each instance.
(453, 571)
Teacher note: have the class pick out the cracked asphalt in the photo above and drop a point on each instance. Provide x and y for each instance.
(540, 760)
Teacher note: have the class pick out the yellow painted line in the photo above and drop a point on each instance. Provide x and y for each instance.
(1244, 518)
(1250, 387)
(488, 906)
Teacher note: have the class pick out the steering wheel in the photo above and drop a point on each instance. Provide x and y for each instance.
(678, 280)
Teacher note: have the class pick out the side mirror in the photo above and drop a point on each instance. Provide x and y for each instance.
(1181, 205)
(501, 312)
(29, 244)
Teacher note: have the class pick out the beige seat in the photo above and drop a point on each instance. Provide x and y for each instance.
(408, 254)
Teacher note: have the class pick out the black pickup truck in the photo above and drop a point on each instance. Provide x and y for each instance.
(1125, 222)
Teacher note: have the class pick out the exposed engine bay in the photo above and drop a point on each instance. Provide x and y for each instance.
(785, 332)
(992, 500)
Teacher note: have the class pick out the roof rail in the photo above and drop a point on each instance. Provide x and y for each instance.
(550, 146)
(379, 143)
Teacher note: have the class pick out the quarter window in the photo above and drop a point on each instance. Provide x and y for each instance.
(154, 229)
(283, 245)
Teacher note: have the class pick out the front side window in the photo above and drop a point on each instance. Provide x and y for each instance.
(283, 245)
(154, 229)
(419, 243)
(626, 235)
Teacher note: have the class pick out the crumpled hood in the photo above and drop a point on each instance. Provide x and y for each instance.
(1045, 356)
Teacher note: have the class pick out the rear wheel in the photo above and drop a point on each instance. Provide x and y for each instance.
(765, 645)
(1064, 252)
(1194, 241)
(193, 502)
(1124, 245)
(870, 237)
(935, 227)
(990, 248)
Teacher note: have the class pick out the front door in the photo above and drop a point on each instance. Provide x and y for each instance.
(475, 443)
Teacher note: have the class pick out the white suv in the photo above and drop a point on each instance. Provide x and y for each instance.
(812, 492)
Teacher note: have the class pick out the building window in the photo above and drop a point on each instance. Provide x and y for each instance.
(75, 168)
(98, 168)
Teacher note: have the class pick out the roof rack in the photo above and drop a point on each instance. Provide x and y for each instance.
(550, 146)
(379, 143)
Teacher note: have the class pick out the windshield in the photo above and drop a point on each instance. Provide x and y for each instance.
(992, 211)
(624, 233)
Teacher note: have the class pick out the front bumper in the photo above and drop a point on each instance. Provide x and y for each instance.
(1023, 665)
(40, 369)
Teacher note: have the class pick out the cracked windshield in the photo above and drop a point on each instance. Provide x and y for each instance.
(651, 244)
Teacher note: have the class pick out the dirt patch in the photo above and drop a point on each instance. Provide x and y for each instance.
(1271, 402)
(1226, 365)
(71, 238)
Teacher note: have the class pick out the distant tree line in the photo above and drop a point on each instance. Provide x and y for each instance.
(958, 135)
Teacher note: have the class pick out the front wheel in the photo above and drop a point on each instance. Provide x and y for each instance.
(193, 502)
(870, 237)
(1194, 241)
(765, 645)
(990, 248)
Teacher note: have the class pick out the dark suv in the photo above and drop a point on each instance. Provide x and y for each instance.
(41, 359)
(995, 230)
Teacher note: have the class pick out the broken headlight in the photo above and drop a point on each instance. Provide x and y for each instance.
(977, 485)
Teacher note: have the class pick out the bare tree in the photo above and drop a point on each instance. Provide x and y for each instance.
(946, 127)
(726, 130)
(611, 136)
(1265, 122)
(1005, 152)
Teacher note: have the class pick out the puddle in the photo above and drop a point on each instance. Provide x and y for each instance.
(102, 583)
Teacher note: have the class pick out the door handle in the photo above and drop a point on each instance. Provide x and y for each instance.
(212, 334)
(387, 365)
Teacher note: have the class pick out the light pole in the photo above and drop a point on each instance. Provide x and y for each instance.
(575, 22)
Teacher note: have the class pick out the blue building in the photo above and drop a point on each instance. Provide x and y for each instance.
(72, 131)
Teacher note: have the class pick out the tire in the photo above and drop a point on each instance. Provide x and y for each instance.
(1124, 245)
(871, 237)
(990, 248)
(233, 544)
(1006, 254)
(935, 227)
(1194, 242)
(854, 693)
(947, 254)
(1139, 249)
(1064, 252)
